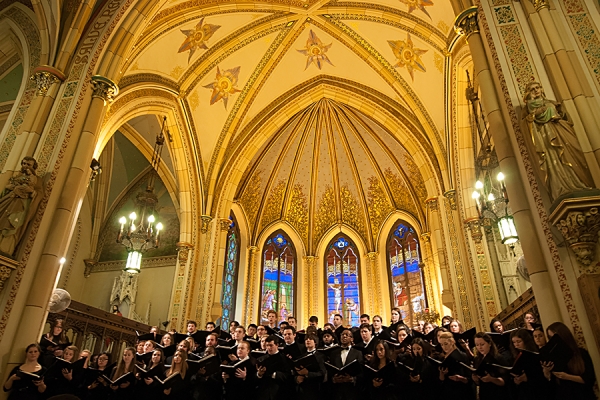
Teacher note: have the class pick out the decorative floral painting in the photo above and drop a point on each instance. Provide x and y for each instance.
(408, 55)
(224, 85)
(196, 38)
(315, 51)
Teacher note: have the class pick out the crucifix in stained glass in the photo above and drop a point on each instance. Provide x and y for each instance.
(279, 259)
(341, 266)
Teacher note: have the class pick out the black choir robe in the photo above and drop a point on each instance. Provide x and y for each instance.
(310, 388)
(278, 384)
(349, 390)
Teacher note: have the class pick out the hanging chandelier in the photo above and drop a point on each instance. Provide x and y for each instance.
(139, 237)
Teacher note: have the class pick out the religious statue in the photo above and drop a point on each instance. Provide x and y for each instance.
(18, 204)
(558, 152)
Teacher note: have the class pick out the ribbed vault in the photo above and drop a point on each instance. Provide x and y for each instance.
(330, 164)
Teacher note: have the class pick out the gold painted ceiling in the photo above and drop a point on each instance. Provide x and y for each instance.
(330, 164)
(229, 62)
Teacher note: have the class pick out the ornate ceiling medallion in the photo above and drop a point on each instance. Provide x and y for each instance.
(224, 85)
(420, 4)
(408, 56)
(197, 37)
(315, 51)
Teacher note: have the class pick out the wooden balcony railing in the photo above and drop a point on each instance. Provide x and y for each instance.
(97, 330)
(513, 315)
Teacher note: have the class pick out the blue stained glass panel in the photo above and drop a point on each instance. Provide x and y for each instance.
(277, 292)
(230, 274)
(343, 296)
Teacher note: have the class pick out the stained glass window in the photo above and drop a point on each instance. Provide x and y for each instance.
(230, 271)
(341, 266)
(278, 262)
(405, 274)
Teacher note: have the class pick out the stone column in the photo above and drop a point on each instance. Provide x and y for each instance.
(310, 292)
(568, 81)
(63, 218)
(176, 305)
(375, 299)
(467, 24)
(438, 244)
(249, 313)
(47, 81)
(432, 288)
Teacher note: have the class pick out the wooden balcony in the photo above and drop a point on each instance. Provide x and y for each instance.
(512, 316)
(98, 330)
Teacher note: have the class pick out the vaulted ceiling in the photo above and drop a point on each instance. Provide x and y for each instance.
(230, 61)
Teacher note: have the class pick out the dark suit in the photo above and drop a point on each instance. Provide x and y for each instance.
(368, 349)
(349, 390)
(310, 388)
(277, 382)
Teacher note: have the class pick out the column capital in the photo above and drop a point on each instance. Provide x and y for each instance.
(205, 220)
(372, 255)
(474, 226)
(103, 88)
(90, 264)
(539, 4)
(44, 77)
(465, 23)
(432, 203)
(451, 196)
(183, 251)
(426, 236)
(578, 220)
(252, 249)
(224, 223)
(310, 258)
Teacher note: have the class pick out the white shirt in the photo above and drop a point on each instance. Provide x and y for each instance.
(344, 355)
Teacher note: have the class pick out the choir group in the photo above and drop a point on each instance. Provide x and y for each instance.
(334, 362)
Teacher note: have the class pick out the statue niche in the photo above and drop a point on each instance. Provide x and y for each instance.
(18, 204)
(557, 151)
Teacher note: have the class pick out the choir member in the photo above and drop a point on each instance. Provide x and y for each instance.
(313, 321)
(539, 337)
(22, 388)
(167, 340)
(96, 387)
(530, 382)
(180, 389)
(65, 381)
(496, 326)
(149, 346)
(401, 334)
(344, 385)
(418, 383)
(252, 331)
(260, 331)
(446, 321)
(210, 326)
(290, 348)
(241, 384)
(206, 385)
(328, 339)
(379, 330)
(338, 324)
(191, 327)
(309, 379)
(148, 388)
(53, 343)
(272, 320)
(492, 385)
(577, 381)
(87, 354)
(456, 327)
(139, 348)
(455, 383)
(367, 344)
(126, 365)
(428, 327)
(395, 321)
(273, 373)
(292, 322)
(364, 319)
(382, 387)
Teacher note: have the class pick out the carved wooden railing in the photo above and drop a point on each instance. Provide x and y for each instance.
(513, 315)
(97, 330)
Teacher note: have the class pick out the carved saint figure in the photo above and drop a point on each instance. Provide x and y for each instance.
(18, 203)
(558, 152)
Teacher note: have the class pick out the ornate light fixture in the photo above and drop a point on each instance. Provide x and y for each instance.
(488, 207)
(138, 237)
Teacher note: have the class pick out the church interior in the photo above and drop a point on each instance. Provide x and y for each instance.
(311, 157)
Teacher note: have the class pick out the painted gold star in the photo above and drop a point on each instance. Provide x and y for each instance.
(224, 85)
(197, 37)
(315, 51)
(408, 56)
(420, 4)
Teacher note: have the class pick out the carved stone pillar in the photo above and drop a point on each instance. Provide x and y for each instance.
(429, 274)
(310, 293)
(485, 280)
(466, 24)
(374, 306)
(438, 249)
(62, 219)
(177, 308)
(249, 313)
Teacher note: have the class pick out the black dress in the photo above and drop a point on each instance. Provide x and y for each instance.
(22, 390)
(386, 391)
(489, 390)
(564, 389)
(457, 390)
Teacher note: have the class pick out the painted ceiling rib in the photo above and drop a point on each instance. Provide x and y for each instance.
(313, 185)
(357, 182)
(335, 176)
(406, 178)
(273, 175)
